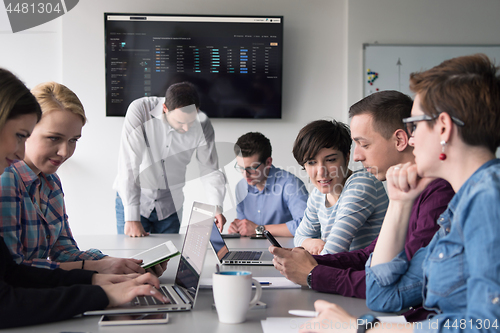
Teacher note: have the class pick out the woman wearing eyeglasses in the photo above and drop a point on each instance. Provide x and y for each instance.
(455, 128)
(346, 209)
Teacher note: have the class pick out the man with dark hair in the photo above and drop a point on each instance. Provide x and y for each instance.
(381, 141)
(159, 138)
(268, 198)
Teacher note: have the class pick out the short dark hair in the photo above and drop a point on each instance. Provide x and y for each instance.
(467, 88)
(321, 134)
(15, 99)
(253, 143)
(181, 94)
(388, 108)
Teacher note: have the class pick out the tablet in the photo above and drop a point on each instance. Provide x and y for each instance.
(157, 254)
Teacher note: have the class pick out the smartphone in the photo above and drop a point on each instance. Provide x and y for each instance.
(134, 319)
(271, 238)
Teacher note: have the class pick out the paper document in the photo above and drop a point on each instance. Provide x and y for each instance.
(392, 319)
(283, 324)
(274, 282)
(293, 324)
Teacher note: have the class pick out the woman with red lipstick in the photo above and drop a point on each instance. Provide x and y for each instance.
(39, 227)
(346, 209)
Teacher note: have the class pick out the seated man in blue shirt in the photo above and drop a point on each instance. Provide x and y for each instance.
(269, 198)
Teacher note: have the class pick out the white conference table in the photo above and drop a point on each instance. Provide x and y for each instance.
(203, 318)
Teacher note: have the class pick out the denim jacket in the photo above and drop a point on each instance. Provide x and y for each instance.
(458, 273)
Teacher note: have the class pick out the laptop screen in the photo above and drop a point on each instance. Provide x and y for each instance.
(195, 247)
(218, 243)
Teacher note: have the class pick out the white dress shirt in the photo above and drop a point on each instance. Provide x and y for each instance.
(153, 158)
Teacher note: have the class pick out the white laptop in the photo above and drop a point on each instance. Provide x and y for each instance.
(227, 257)
(182, 294)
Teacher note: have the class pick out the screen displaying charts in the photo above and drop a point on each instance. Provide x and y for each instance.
(234, 61)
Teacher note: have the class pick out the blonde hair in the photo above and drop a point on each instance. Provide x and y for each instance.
(55, 96)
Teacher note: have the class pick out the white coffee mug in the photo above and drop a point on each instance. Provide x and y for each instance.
(232, 293)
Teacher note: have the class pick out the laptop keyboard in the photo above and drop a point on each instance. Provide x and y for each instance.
(245, 255)
(150, 300)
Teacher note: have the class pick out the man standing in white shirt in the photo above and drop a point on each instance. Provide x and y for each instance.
(158, 140)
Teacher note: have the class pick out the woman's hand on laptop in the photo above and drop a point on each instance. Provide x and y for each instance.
(143, 285)
(111, 265)
(105, 279)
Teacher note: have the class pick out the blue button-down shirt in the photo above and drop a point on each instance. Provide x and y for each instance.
(458, 273)
(283, 200)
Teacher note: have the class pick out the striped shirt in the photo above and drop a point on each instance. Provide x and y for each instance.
(353, 222)
(37, 235)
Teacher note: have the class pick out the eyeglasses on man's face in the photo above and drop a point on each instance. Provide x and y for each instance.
(250, 169)
(411, 122)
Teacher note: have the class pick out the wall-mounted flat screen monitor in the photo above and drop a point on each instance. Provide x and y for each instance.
(234, 61)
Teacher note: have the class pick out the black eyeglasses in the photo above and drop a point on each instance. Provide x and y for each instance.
(250, 170)
(411, 122)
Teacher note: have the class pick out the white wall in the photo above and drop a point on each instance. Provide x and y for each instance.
(313, 86)
(34, 55)
(322, 71)
(415, 22)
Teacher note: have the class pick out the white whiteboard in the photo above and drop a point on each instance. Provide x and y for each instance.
(391, 65)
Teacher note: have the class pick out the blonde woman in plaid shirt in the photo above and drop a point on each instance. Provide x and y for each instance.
(26, 289)
(38, 234)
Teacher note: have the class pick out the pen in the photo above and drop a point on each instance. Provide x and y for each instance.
(265, 283)
(303, 313)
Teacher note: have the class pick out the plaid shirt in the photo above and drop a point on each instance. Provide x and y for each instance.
(37, 235)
